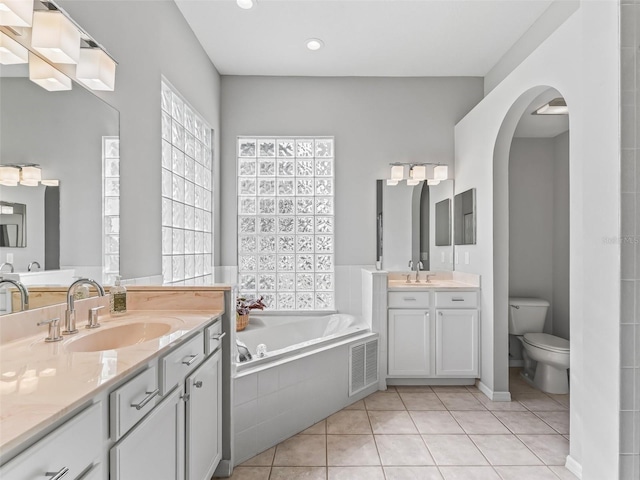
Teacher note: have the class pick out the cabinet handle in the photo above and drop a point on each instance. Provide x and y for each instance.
(198, 384)
(409, 299)
(190, 362)
(145, 400)
(57, 475)
(457, 299)
(219, 336)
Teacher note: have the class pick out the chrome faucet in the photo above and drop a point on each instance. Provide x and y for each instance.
(70, 314)
(7, 264)
(24, 293)
(419, 266)
(32, 264)
(429, 275)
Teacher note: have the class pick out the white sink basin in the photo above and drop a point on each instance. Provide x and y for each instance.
(119, 337)
(42, 277)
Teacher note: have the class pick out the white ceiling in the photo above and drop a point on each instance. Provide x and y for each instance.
(362, 37)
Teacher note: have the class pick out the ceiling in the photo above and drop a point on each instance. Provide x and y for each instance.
(404, 38)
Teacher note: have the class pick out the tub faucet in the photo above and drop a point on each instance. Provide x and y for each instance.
(5, 264)
(70, 314)
(24, 293)
(32, 264)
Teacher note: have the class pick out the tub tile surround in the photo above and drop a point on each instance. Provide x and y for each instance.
(61, 380)
(444, 444)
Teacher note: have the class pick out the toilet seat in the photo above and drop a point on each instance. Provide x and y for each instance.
(547, 342)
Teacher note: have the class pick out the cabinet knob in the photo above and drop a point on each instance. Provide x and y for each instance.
(198, 384)
(57, 475)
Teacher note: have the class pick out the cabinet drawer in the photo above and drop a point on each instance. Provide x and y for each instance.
(175, 366)
(75, 446)
(408, 299)
(213, 337)
(457, 299)
(132, 401)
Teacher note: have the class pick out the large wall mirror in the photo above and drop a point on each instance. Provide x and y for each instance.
(65, 133)
(414, 224)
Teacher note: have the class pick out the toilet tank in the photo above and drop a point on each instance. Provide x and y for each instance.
(527, 315)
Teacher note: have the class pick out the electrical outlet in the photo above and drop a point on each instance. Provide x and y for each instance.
(466, 258)
(10, 257)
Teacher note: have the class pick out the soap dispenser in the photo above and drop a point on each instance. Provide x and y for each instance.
(118, 301)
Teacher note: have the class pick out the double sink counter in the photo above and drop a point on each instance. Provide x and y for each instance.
(42, 384)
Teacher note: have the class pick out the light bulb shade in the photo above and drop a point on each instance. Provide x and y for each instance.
(397, 172)
(46, 76)
(30, 174)
(29, 183)
(441, 172)
(433, 183)
(50, 183)
(412, 182)
(55, 37)
(245, 4)
(9, 176)
(419, 172)
(11, 52)
(6, 210)
(392, 183)
(96, 69)
(16, 13)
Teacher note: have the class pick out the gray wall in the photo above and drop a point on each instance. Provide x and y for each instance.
(538, 225)
(374, 120)
(148, 39)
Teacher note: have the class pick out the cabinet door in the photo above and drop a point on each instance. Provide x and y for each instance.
(410, 349)
(457, 343)
(154, 449)
(203, 426)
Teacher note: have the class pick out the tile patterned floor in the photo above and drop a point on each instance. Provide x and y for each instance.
(428, 433)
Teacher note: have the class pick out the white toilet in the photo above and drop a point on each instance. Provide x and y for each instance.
(526, 321)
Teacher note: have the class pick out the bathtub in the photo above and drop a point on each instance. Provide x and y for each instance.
(304, 377)
(285, 336)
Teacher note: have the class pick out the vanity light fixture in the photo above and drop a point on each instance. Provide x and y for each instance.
(314, 44)
(246, 4)
(433, 183)
(6, 210)
(392, 183)
(16, 13)
(9, 176)
(11, 52)
(441, 172)
(50, 183)
(30, 175)
(418, 172)
(557, 106)
(46, 76)
(96, 69)
(55, 37)
(397, 172)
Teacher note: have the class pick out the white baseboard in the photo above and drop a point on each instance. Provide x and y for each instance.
(494, 396)
(573, 466)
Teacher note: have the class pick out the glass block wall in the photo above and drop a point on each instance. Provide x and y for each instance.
(286, 221)
(111, 208)
(187, 243)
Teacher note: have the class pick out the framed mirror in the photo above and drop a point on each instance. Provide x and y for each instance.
(465, 218)
(64, 133)
(13, 223)
(406, 225)
(443, 223)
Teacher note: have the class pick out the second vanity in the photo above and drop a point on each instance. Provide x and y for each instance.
(140, 397)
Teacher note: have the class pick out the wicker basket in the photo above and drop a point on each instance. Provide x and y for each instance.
(241, 322)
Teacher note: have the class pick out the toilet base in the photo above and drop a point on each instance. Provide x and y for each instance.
(550, 379)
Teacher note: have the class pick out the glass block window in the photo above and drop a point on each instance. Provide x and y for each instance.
(187, 220)
(286, 221)
(111, 208)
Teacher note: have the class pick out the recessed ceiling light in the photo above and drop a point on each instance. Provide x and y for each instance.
(315, 44)
(557, 106)
(245, 4)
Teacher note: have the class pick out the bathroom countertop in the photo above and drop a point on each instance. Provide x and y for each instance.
(42, 382)
(402, 285)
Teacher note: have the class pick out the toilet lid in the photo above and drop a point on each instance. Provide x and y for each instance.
(547, 342)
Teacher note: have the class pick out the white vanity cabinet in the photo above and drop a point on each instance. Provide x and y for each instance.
(72, 451)
(433, 334)
(154, 449)
(203, 419)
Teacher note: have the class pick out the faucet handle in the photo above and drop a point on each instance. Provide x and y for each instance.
(54, 329)
(93, 317)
